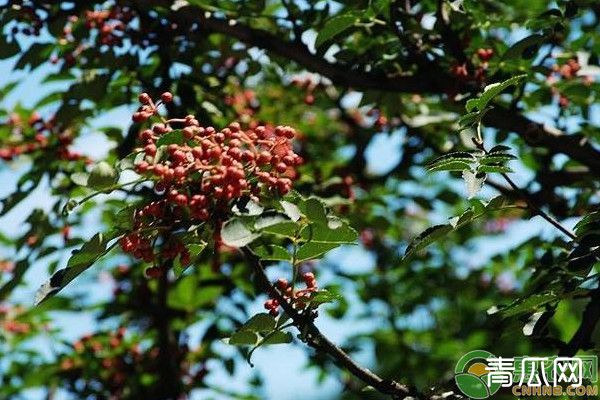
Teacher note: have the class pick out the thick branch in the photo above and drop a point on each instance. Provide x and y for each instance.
(339, 74)
(319, 342)
(430, 81)
(538, 135)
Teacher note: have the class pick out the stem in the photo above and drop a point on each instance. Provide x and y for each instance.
(525, 196)
(109, 189)
(538, 210)
(315, 339)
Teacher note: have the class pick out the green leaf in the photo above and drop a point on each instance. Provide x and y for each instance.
(321, 232)
(271, 252)
(529, 304)
(324, 296)
(315, 211)
(262, 322)
(277, 337)
(8, 49)
(80, 178)
(524, 48)
(102, 176)
(235, 234)
(450, 165)
(243, 338)
(313, 250)
(291, 210)
(80, 261)
(491, 91)
(287, 229)
(334, 27)
(500, 169)
(173, 137)
(455, 157)
(427, 237)
(187, 295)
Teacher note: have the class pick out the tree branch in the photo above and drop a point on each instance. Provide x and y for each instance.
(432, 80)
(318, 341)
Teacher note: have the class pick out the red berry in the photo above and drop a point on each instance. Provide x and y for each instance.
(166, 97)
(144, 98)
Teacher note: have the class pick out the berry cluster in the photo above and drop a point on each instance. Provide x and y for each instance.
(201, 171)
(38, 134)
(309, 84)
(112, 26)
(462, 73)
(297, 298)
(244, 103)
(121, 359)
(9, 320)
(567, 71)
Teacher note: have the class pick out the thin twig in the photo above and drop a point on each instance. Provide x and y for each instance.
(314, 338)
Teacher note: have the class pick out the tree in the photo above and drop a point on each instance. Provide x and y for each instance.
(204, 156)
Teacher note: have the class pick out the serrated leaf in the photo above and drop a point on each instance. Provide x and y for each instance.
(324, 296)
(497, 157)
(268, 220)
(278, 337)
(450, 166)
(312, 250)
(320, 232)
(235, 234)
(314, 210)
(427, 237)
(262, 322)
(291, 210)
(287, 229)
(334, 27)
(80, 178)
(528, 304)
(102, 176)
(490, 92)
(243, 338)
(173, 137)
(271, 252)
(499, 148)
(80, 261)
(488, 169)
(523, 47)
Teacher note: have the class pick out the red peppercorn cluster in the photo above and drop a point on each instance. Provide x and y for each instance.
(122, 359)
(567, 71)
(309, 84)
(244, 103)
(203, 173)
(108, 27)
(9, 320)
(37, 134)
(296, 297)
